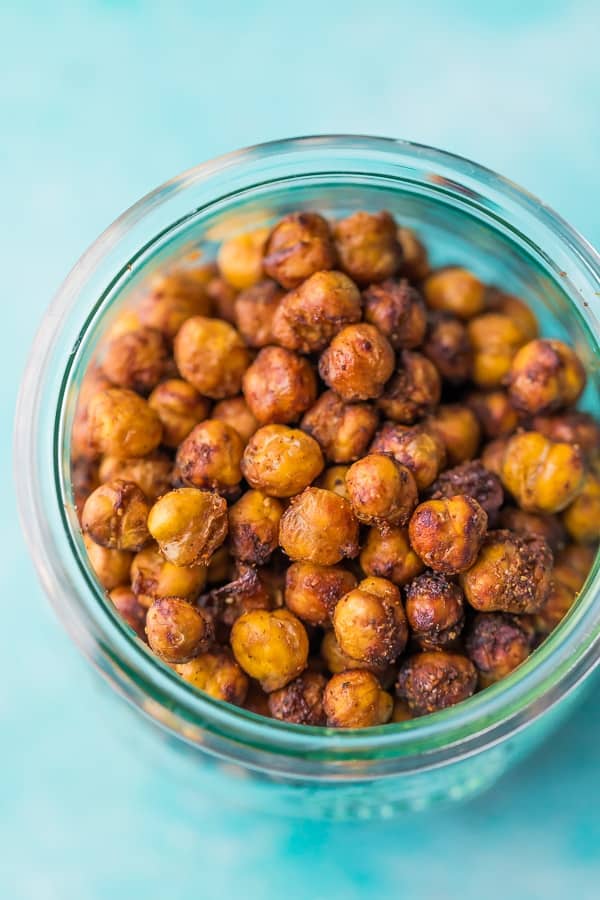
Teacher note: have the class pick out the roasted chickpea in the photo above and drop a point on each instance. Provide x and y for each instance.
(416, 447)
(448, 533)
(309, 317)
(512, 574)
(235, 412)
(543, 476)
(318, 526)
(582, 516)
(456, 291)
(390, 556)
(370, 623)
(153, 576)
(171, 300)
(545, 375)
(435, 610)
(458, 429)
(212, 356)
(573, 565)
(111, 567)
(572, 427)
(270, 646)
(355, 699)
(218, 675)
(240, 259)
(559, 602)
(397, 310)
(122, 424)
(82, 444)
(115, 516)
(496, 414)
(342, 430)
(281, 461)
(254, 310)
(188, 525)
(130, 610)
(254, 527)
(496, 644)
(334, 479)
(381, 491)
(448, 346)
(337, 661)
(179, 407)
(151, 473)
(279, 386)
(413, 391)
(368, 247)
(492, 455)
(415, 261)
(474, 480)
(549, 528)
(223, 297)
(300, 701)
(176, 630)
(137, 359)
(210, 457)
(311, 592)
(298, 246)
(435, 680)
(357, 363)
(495, 340)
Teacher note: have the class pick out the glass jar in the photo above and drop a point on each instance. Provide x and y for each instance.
(466, 215)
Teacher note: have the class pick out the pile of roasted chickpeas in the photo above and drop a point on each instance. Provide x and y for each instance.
(331, 485)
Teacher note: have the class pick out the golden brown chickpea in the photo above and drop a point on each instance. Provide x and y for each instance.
(82, 444)
(557, 605)
(334, 479)
(516, 309)
(448, 346)
(492, 455)
(240, 259)
(415, 262)
(188, 525)
(300, 701)
(549, 528)
(448, 533)
(318, 526)
(435, 680)
(390, 556)
(309, 317)
(151, 473)
(136, 360)
(153, 576)
(473, 479)
(455, 290)
(176, 630)
(342, 430)
(573, 565)
(311, 592)
(179, 407)
(357, 363)
(254, 310)
(130, 610)
(413, 391)
(223, 297)
(369, 622)
(279, 386)
(496, 644)
(84, 480)
(381, 491)
(417, 447)
(210, 457)
(281, 461)
(212, 356)
(298, 246)
(235, 412)
(512, 574)
(254, 527)
(545, 375)
(543, 476)
(115, 516)
(270, 646)
(495, 340)
(172, 299)
(496, 414)
(355, 699)
(368, 247)
(111, 567)
(397, 310)
(458, 429)
(572, 427)
(582, 516)
(122, 424)
(218, 675)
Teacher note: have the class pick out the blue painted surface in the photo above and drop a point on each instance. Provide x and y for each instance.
(99, 102)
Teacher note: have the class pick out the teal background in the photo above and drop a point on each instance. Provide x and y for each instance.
(100, 102)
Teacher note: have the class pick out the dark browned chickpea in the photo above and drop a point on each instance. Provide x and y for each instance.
(397, 310)
(84, 480)
(474, 480)
(497, 416)
(309, 317)
(151, 473)
(492, 455)
(270, 646)
(413, 391)
(222, 296)
(370, 623)
(545, 375)
(171, 300)
(448, 346)
(334, 479)
(456, 291)
(300, 701)
(515, 309)
(559, 601)
(82, 444)
(417, 447)
(342, 430)
(179, 407)
(240, 258)
(435, 610)
(527, 524)
(381, 491)
(298, 246)
(111, 567)
(212, 356)
(447, 533)
(543, 476)
(495, 340)
(254, 527)
(188, 525)
(458, 429)
(355, 699)
(235, 412)
(122, 424)
(311, 591)
(130, 610)
(218, 675)
(368, 247)
(210, 457)
(254, 310)
(572, 427)
(115, 516)
(415, 262)
(281, 461)
(390, 556)
(582, 517)
(279, 386)
(176, 630)
(319, 526)
(357, 363)
(496, 644)
(153, 576)
(136, 360)
(512, 574)
(435, 680)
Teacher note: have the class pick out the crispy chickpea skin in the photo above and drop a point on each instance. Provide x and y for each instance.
(281, 461)
(176, 630)
(311, 592)
(342, 430)
(549, 528)
(319, 526)
(415, 261)
(582, 517)
(435, 680)
(496, 643)
(136, 360)
(111, 567)
(115, 516)
(543, 476)
(357, 363)
(270, 646)
(390, 556)
(279, 386)
(368, 247)
(495, 340)
(254, 310)
(179, 407)
(153, 576)
(212, 356)
(171, 299)
(240, 259)
(496, 414)
(456, 291)
(397, 310)
(300, 701)
(151, 473)
(417, 447)
(129, 608)
(414, 390)
(516, 309)
(458, 429)
(355, 699)
(218, 675)
(545, 375)
(558, 603)
(435, 610)
(447, 345)
(572, 427)
(512, 574)
(334, 479)
(310, 316)
(210, 457)
(381, 491)
(369, 622)
(473, 479)
(447, 533)
(254, 527)
(188, 525)
(235, 411)
(122, 424)
(298, 246)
